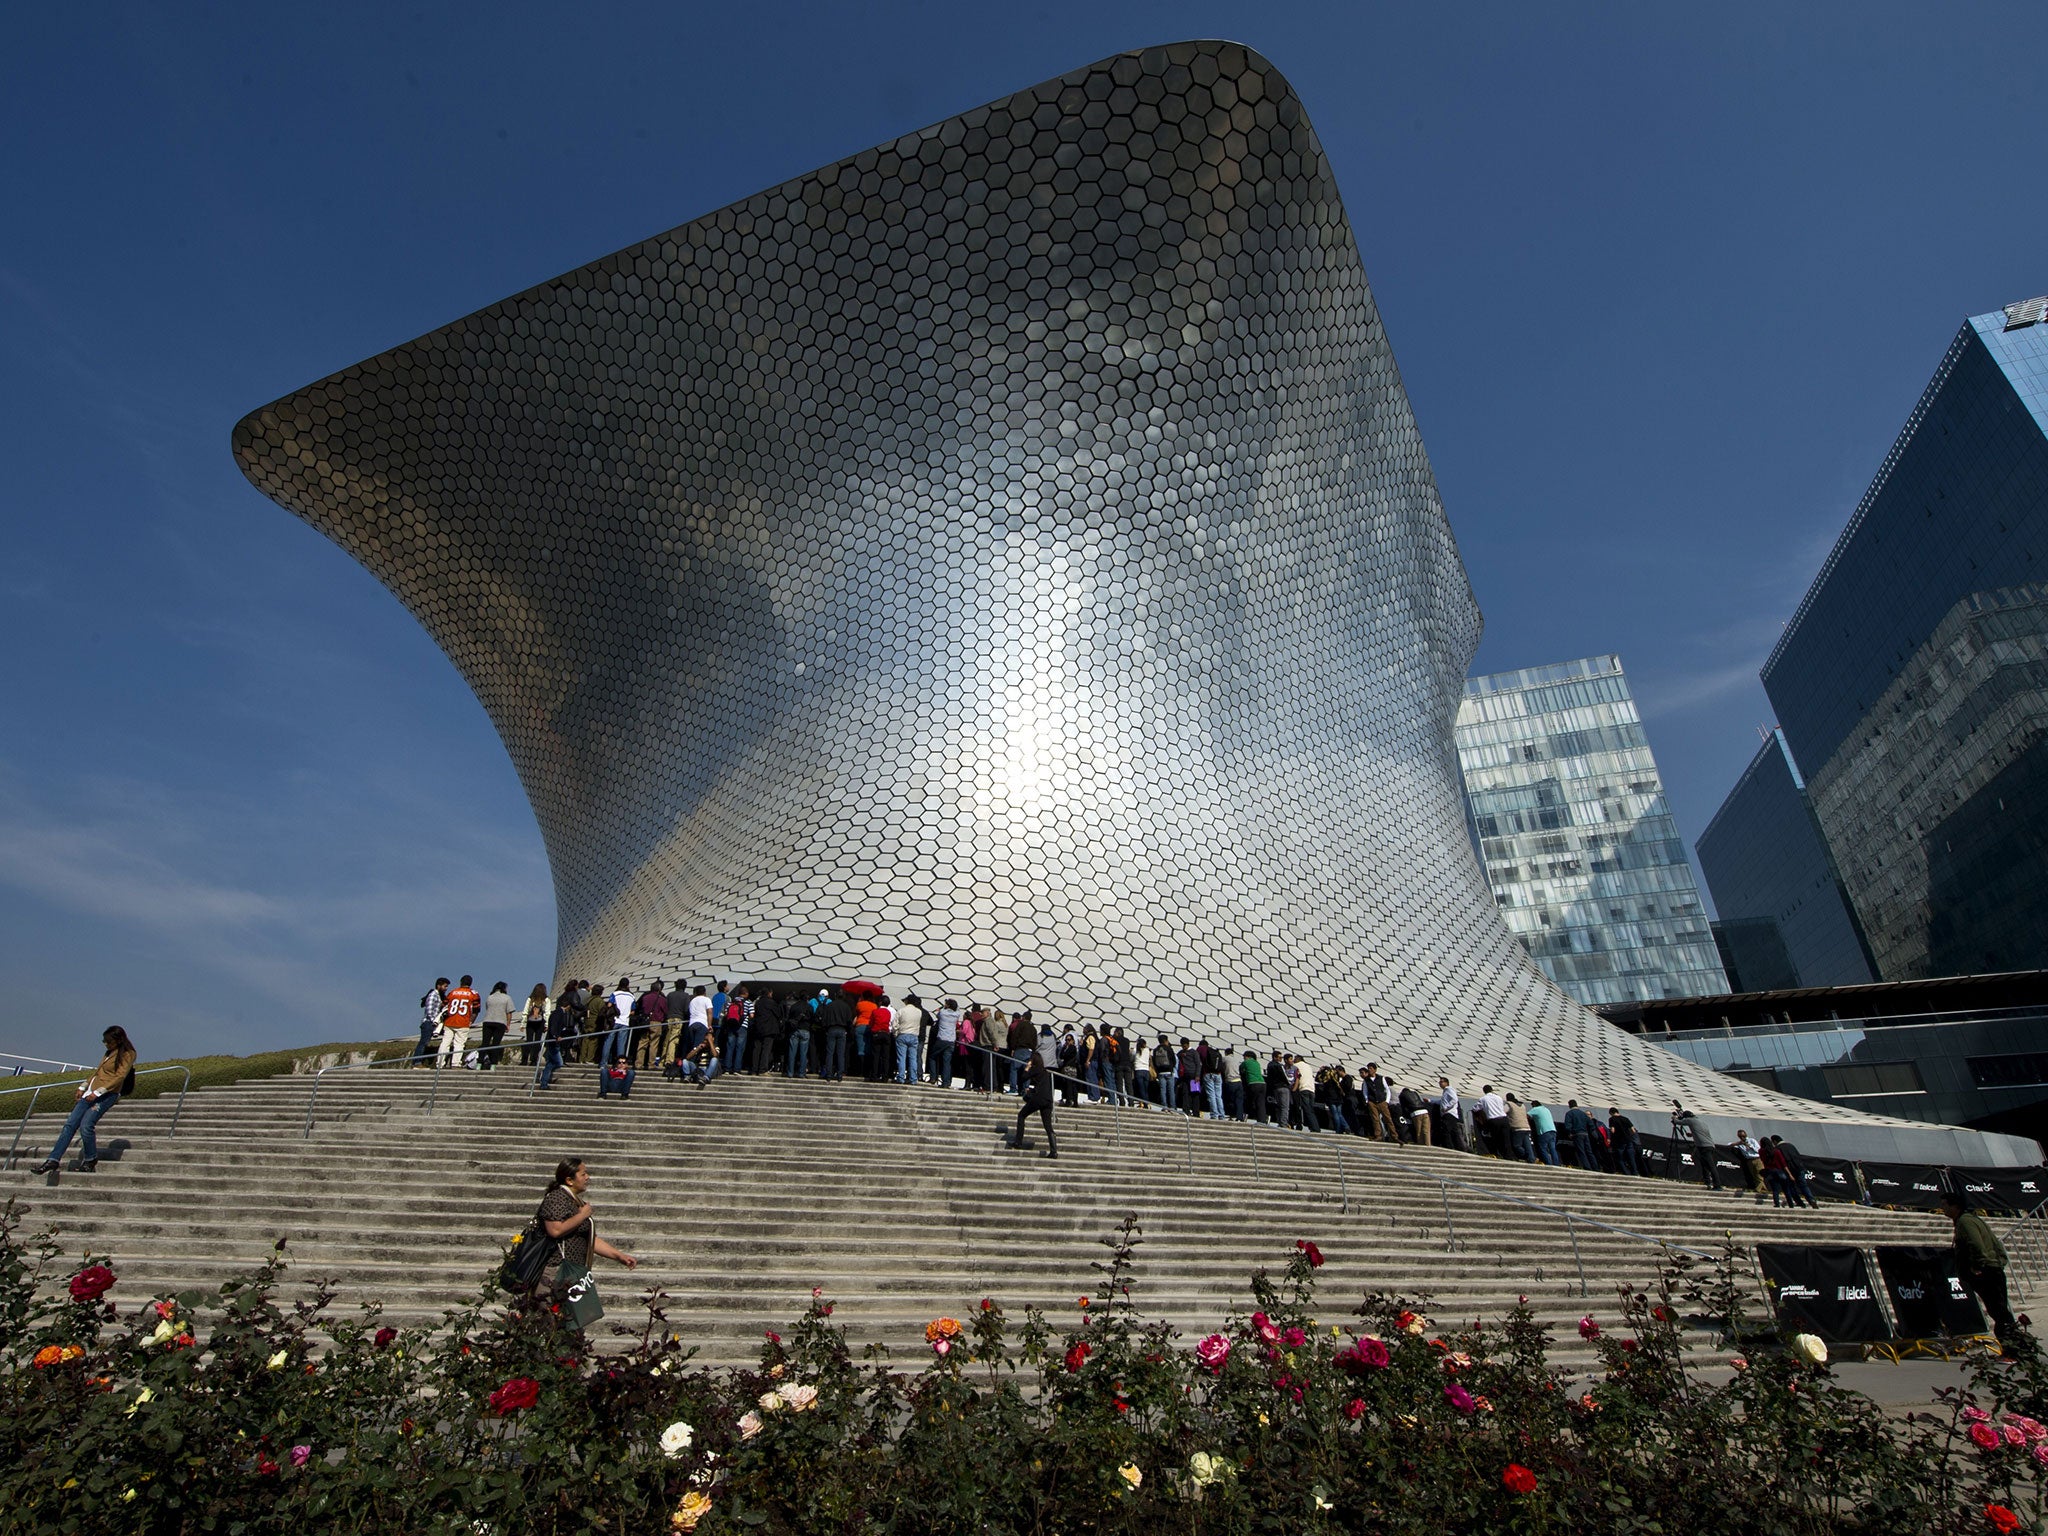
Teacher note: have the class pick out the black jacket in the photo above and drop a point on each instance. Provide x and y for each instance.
(1037, 1085)
(837, 1013)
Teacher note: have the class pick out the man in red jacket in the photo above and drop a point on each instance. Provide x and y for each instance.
(463, 1004)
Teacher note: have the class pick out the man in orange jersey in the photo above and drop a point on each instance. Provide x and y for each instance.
(463, 1004)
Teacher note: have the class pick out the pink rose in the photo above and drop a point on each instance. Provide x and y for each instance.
(1294, 1338)
(1588, 1329)
(1213, 1352)
(1266, 1330)
(1985, 1436)
(301, 1454)
(1460, 1399)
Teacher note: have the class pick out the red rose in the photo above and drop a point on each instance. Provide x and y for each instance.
(1311, 1251)
(772, 1336)
(384, 1337)
(2001, 1518)
(1355, 1408)
(1078, 1356)
(91, 1283)
(520, 1392)
(1518, 1479)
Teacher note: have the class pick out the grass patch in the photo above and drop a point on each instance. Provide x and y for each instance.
(207, 1071)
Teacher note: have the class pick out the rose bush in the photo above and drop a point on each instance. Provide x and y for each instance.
(501, 1420)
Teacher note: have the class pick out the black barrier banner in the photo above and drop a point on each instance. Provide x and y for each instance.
(1928, 1296)
(1730, 1165)
(2018, 1190)
(1833, 1178)
(1911, 1184)
(1654, 1152)
(1824, 1291)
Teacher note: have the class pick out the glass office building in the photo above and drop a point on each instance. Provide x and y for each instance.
(1569, 820)
(1912, 684)
(1784, 918)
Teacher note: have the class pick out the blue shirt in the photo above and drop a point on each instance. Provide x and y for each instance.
(1540, 1121)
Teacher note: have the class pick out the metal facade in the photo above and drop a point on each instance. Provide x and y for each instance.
(1003, 561)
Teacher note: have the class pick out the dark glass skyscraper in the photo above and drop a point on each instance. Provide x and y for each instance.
(1774, 883)
(1912, 684)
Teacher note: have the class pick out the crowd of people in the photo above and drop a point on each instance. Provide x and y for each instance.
(698, 1032)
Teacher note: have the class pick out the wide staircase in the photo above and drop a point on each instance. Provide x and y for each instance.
(902, 1203)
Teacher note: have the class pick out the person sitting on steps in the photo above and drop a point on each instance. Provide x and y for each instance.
(99, 1093)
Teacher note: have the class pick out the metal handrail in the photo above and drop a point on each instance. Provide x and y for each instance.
(1572, 1219)
(410, 1059)
(35, 1090)
(48, 1061)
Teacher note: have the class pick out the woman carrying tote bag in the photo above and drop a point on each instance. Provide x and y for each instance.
(566, 1221)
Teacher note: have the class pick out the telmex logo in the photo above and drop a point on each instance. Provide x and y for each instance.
(1957, 1291)
(1852, 1293)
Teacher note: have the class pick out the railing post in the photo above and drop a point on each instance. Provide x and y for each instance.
(1343, 1183)
(1572, 1231)
(434, 1090)
(310, 1098)
(1251, 1128)
(184, 1088)
(15, 1146)
(1450, 1226)
(1191, 1143)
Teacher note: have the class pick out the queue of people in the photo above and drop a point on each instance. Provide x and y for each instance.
(698, 1032)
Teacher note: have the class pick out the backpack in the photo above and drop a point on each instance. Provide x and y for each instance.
(1162, 1061)
(127, 1087)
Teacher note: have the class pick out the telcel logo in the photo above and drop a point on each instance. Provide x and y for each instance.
(1852, 1293)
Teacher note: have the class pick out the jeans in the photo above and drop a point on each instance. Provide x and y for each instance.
(1255, 1103)
(1141, 1082)
(735, 1058)
(425, 1050)
(1546, 1149)
(1017, 1059)
(1212, 1085)
(860, 1044)
(1524, 1149)
(1166, 1083)
(1624, 1156)
(796, 1061)
(84, 1116)
(834, 1068)
(625, 1086)
(1582, 1149)
(615, 1043)
(551, 1065)
(1044, 1113)
(906, 1058)
(943, 1052)
(529, 1053)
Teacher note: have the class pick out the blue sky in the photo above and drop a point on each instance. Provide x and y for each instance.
(1663, 283)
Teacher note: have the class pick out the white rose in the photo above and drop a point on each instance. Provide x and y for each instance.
(163, 1331)
(770, 1401)
(750, 1425)
(145, 1395)
(1809, 1349)
(277, 1362)
(676, 1439)
(801, 1398)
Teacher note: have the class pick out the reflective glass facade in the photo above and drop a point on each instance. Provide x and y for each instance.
(1910, 683)
(1767, 863)
(1569, 818)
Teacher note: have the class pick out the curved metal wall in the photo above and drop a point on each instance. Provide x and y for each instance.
(1003, 561)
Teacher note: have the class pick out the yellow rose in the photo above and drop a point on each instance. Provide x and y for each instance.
(277, 1362)
(1129, 1473)
(695, 1507)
